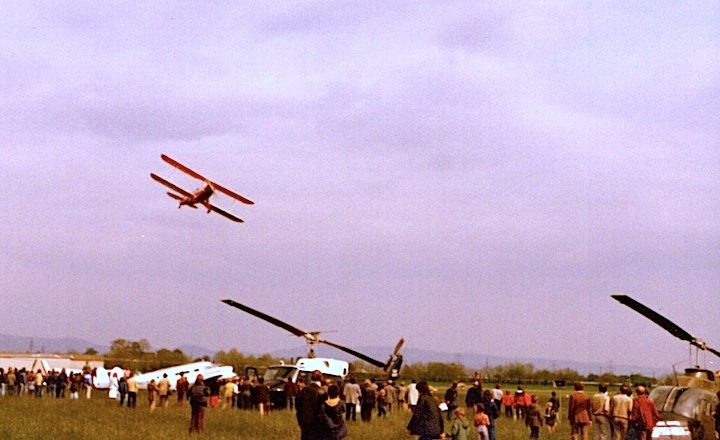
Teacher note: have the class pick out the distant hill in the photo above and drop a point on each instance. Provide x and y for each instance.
(24, 344)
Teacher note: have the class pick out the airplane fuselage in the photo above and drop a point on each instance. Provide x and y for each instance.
(201, 196)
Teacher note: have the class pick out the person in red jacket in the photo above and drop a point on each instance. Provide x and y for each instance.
(644, 414)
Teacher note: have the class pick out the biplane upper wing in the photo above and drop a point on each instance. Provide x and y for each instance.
(172, 186)
(196, 175)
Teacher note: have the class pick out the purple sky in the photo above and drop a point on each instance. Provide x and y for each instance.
(473, 176)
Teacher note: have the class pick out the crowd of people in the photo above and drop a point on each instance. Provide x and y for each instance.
(53, 384)
(323, 407)
(617, 417)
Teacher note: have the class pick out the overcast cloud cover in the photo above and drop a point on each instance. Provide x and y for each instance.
(473, 176)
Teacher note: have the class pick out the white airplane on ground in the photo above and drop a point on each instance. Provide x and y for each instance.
(209, 371)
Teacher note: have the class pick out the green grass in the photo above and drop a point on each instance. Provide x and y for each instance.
(28, 418)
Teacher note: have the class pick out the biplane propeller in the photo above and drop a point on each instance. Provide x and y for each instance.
(392, 366)
(202, 195)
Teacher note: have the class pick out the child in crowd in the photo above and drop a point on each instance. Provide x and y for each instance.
(533, 417)
(482, 421)
(459, 427)
(550, 417)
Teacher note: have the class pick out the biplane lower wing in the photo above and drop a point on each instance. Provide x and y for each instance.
(225, 214)
(198, 176)
(172, 186)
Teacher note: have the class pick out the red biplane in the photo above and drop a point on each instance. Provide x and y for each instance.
(202, 195)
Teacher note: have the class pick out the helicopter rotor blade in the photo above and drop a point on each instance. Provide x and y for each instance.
(394, 355)
(398, 346)
(283, 325)
(663, 322)
(357, 354)
(713, 351)
(655, 317)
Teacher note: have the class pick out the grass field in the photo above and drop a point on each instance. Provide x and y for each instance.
(25, 418)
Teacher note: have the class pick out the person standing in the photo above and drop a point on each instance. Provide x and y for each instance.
(182, 386)
(352, 393)
(451, 397)
(600, 403)
(38, 383)
(291, 392)
(333, 411)
(519, 403)
(412, 395)
(497, 395)
(621, 406)
(132, 390)
(122, 390)
(87, 374)
(163, 390)
(61, 383)
(427, 420)
(579, 413)
(472, 398)
(481, 422)
(367, 403)
(114, 386)
(198, 395)
(228, 392)
(402, 397)
(262, 396)
(11, 381)
(309, 406)
(460, 425)
(152, 394)
(390, 395)
(555, 400)
(50, 383)
(533, 417)
(507, 403)
(492, 412)
(382, 402)
(551, 417)
(644, 414)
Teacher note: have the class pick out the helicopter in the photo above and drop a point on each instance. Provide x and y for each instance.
(686, 408)
(391, 367)
(277, 375)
